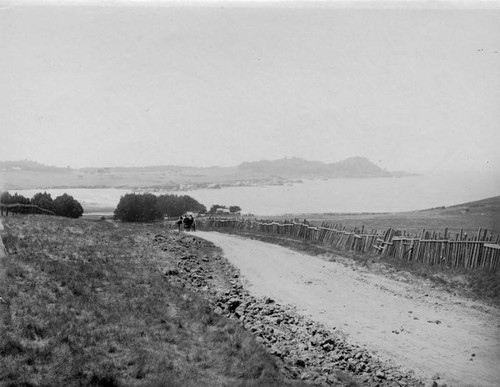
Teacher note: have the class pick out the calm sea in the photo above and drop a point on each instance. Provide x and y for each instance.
(321, 196)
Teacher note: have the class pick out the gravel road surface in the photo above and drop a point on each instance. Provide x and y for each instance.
(403, 319)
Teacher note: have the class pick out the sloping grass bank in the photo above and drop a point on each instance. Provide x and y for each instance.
(85, 305)
(468, 217)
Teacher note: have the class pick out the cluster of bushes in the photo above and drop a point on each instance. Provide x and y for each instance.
(147, 207)
(64, 205)
(232, 209)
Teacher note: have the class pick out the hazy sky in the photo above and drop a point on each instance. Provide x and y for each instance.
(410, 87)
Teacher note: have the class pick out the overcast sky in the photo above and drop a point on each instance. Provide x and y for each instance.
(410, 87)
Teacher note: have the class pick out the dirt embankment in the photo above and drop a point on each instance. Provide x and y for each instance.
(307, 349)
(406, 320)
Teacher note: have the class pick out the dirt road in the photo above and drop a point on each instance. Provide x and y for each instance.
(402, 319)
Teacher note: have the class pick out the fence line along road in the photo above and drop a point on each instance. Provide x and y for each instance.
(3, 251)
(479, 251)
(23, 208)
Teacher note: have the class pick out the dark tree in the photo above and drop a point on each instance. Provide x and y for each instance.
(149, 210)
(174, 206)
(234, 208)
(15, 199)
(43, 200)
(215, 207)
(5, 197)
(148, 207)
(138, 208)
(66, 205)
(187, 203)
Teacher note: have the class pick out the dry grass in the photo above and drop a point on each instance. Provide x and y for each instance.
(86, 306)
(468, 217)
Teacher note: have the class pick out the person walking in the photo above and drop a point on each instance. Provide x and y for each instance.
(193, 223)
(179, 223)
(187, 223)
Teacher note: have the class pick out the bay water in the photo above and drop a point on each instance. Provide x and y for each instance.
(346, 195)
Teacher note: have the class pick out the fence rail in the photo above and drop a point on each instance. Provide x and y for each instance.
(3, 251)
(480, 251)
(23, 208)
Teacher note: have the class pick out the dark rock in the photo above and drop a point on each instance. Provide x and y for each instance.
(276, 351)
(308, 376)
(171, 271)
(232, 304)
(360, 367)
(329, 340)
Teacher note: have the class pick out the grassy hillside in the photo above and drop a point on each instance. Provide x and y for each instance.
(469, 217)
(84, 303)
(166, 177)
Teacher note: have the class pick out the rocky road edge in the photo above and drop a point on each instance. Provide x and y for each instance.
(306, 350)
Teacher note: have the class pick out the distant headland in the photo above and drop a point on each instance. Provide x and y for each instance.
(26, 174)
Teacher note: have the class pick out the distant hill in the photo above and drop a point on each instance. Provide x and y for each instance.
(297, 167)
(28, 165)
(27, 174)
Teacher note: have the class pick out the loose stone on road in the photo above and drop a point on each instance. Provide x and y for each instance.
(404, 321)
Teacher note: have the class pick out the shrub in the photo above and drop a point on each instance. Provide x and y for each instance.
(43, 200)
(215, 207)
(66, 205)
(173, 205)
(148, 207)
(138, 208)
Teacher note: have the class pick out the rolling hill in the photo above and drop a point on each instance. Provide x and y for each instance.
(29, 174)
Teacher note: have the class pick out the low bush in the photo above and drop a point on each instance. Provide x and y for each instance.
(147, 207)
(64, 205)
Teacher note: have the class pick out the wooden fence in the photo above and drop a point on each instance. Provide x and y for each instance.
(479, 251)
(3, 251)
(23, 209)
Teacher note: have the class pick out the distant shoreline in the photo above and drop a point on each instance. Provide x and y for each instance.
(28, 174)
(315, 198)
(183, 187)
